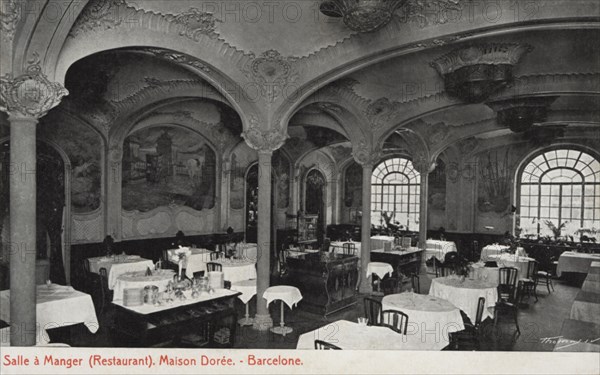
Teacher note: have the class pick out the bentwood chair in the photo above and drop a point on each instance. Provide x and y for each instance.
(106, 294)
(469, 338)
(349, 248)
(373, 309)
(212, 267)
(323, 345)
(545, 274)
(507, 298)
(395, 320)
(215, 255)
(529, 283)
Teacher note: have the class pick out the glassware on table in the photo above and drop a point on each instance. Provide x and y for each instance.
(362, 321)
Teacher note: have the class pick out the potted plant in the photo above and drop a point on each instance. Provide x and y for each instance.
(556, 231)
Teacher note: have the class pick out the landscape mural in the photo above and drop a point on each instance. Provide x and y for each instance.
(167, 166)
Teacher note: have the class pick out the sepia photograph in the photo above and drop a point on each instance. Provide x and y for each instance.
(299, 186)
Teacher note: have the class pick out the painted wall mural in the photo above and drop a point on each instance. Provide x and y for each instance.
(281, 179)
(494, 180)
(83, 146)
(437, 187)
(236, 183)
(167, 166)
(353, 186)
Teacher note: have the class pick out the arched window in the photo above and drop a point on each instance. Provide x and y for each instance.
(561, 186)
(395, 189)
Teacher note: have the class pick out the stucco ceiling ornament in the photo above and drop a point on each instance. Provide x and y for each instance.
(468, 146)
(365, 154)
(475, 72)
(10, 15)
(178, 58)
(30, 94)
(438, 133)
(362, 15)
(196, 23)
(430, 12)
(381, 111)
(271, 72)
(263, 140)
(98, 14)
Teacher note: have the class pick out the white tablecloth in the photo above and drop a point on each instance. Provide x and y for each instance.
(288, 294)
(570, 261)
(513, 260)
(378, 242)
(238, 270)
(591, 286)
(380, 269)
(56, 306)
(119, 265)
(246, 287)
(352, 336)
(465, 294)
(194, 261)
(496, 249)
(438, 249)
(586, 307)
(426, 314)
(139, 280)
(337, 247)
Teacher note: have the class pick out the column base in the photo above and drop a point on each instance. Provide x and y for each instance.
(262, 322)
(365, 286)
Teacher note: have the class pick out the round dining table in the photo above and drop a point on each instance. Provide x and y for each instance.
(426, 315)
(235, 270)
(465, 293)
(513, 260)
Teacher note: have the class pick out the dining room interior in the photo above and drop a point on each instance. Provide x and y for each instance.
(337, 174)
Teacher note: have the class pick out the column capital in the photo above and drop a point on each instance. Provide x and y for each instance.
(365, 154)
(264, 140)
(423, 165)
(30, 95)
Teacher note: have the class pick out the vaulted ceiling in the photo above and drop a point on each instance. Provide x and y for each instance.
(286, 66)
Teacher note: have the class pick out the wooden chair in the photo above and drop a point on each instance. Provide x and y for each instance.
(349, 249)
(395, 320)
(529, 283)
(507, 299)
(215, 255)
(391, 285)
(545, 272)
(470, 336)
(282, 260)
(212, 267)
(323, 345)
(416, 283)
(373, 310)
(105, 293)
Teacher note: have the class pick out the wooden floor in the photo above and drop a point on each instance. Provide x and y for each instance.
(539, 320)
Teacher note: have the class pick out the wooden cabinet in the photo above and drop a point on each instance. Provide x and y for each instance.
(327, 285)
(208, 323)
(407, 262)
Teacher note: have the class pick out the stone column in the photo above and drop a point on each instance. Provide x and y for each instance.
(366, 156)
(265, 142)
(25, 98)
(365, 229)
(423, 166)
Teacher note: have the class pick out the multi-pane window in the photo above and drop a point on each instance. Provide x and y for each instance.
(395, 190)
(561, 186)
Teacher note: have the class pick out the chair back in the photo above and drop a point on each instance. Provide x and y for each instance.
(416, 283)
(373, 309)
(215, 255)
(349, 248)
(165, 255)
(396, 320)
(507, 282)
(389, 285)
(326, 244)
(86, 266)
(479, 314)
(323, 345)
(532, 269)
(451, 258)
(212, 266)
